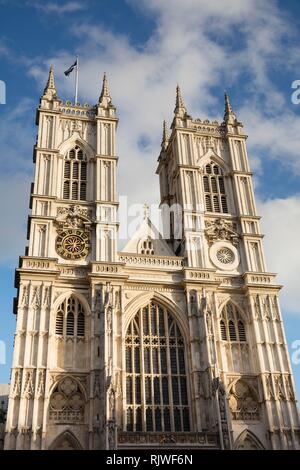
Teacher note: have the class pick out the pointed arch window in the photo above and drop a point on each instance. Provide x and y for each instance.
(75, 175)
(232, 326)
(70, 319)
(156, 379)
(214, 189)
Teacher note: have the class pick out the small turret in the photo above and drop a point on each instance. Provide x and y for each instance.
(50, 92)
(105, 98)
(165, 136)
(229, 116)
(180, 109)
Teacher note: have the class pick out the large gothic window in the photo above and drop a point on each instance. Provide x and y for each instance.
(75, 174)
(70, 318)
(214, 189)
(156, 381)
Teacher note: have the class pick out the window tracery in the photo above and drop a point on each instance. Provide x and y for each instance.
(214, 189)
(67, 402)
(75, 175)
(156, 382)
(70, 318)
(232, 327)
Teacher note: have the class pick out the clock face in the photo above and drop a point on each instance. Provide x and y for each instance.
(72, 244)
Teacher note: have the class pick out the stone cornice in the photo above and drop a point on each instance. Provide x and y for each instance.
(265, 280)
(164, 263)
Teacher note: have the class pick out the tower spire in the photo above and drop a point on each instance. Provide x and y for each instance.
(105, 98)
(50, 89)
(165, 136)
(180, 109)
(229, 116)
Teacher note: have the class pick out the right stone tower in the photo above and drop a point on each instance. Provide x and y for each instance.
(238, 349)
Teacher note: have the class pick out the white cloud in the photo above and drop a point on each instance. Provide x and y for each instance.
(281, 223)
(58, 8)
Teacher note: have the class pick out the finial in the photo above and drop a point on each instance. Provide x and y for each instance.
(105, 98)
(165, 136)
(180, 108)
(146, 211)
(50, 90)
(229, 115)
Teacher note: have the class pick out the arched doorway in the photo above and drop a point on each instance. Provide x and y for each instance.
(248, 441)
(66, 441)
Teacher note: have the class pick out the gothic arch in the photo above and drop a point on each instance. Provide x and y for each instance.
(211, 156)
(153, 334)
(143, 299)
(243, 313)
(249, 385)
(66, 441)
(77, 295)
(61, 377)
(248, 441)
(75, 139)
(243, 400)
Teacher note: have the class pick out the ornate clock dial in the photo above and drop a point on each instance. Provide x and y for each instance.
(72, 244)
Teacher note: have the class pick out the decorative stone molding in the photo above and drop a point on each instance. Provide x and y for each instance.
(47, 297)
(269, 391)
(224, 256)
(152, 261)
(243, 402)
(28, 388)
(16, 389)
(279, 387)
(40, 264)
(24, 295)
(259, 279)
(220, 229)
(209, 128)
(36, 297)
(73, 216)
(106, 268)
(289, 387)
(69, 271)
(178, 439)
(230, 281)
(67, 402)
(40, 390)
(199, 275)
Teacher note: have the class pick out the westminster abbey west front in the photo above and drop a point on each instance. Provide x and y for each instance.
(173, 342)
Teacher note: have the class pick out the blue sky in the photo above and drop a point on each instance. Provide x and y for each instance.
(250, 48)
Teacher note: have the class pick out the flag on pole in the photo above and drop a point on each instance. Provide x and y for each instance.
(67, 72)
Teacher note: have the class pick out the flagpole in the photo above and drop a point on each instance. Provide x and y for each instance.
(76, 82)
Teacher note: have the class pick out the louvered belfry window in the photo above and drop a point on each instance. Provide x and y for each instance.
(214, 189)
(156, 380)
(232, 327)
(70, 319)
(75, 175)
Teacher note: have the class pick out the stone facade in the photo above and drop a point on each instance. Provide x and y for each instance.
(175, 340)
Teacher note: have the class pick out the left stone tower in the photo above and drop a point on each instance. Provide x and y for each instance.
(56, 397)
